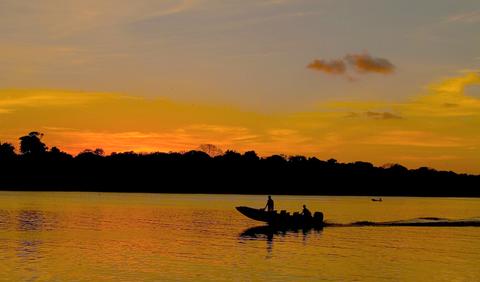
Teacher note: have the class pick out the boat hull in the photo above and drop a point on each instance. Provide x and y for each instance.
(282, 219)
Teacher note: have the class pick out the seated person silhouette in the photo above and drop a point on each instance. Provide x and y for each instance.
(306, 212)
(269, 205)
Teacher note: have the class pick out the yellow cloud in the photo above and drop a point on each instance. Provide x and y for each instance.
(413, 138)
(447, 98)
(456, 85)
(11, 99)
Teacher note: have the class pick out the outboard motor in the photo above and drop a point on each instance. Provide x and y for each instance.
(318, 217)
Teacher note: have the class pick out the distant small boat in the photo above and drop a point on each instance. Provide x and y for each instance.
(377, 200)
(284, 218)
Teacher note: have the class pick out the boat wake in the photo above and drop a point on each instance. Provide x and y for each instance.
(421, 221)
(270, 231)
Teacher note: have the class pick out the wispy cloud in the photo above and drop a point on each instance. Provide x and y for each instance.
(413, 138)
(277, 2)
(77, 17)
(5, 111)
(179, 139)
(467, 17)
(382, 115)
(374, 115)
(12, 99)
(179, 7)
(429, 158)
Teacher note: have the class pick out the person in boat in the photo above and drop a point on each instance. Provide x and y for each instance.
(306, 212)
(269, 206)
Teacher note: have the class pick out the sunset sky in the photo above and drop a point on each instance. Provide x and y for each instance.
(380, 81)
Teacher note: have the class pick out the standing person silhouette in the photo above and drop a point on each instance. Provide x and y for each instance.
(306, 212)
(269, 206)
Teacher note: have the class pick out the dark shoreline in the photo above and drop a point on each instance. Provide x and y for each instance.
(86, 190)
(217, 176)
(39, 168)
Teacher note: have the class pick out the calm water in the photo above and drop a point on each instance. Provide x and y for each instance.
(127, 237)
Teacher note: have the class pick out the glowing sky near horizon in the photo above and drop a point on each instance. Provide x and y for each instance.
(378, 81)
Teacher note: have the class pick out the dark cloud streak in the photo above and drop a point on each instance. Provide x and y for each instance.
(364, 63)
(328, 66)
(374, 115)
(359, 63)
(382, 115)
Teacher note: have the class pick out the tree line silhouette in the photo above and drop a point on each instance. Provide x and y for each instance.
(209, 170)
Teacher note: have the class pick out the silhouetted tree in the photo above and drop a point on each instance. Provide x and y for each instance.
(31, 144)
(332, 161)
(210, 149)
(89, 154)
(362, 166)
(99, 152)
(195, 156)
(297, 159)
(250, 156)
(57, 154)
(315, 161)
(231, 156)
(396, 168)
(275, 159)
(129, 156)
(7, 151)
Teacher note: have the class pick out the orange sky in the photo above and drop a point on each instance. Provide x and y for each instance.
(437, 128)
(377, 81)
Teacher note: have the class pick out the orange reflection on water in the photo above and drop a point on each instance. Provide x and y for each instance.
(97, 236)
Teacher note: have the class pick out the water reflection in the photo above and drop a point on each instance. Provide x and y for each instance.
(5, 220)
(269, 233)
(30, 220)
(28, 249)
(131, 237)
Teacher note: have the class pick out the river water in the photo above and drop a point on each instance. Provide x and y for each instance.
(51, 236)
